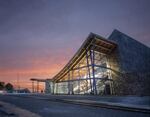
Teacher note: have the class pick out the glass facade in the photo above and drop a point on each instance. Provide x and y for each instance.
(91, 75)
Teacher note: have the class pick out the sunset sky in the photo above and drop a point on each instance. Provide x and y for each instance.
(38, 37)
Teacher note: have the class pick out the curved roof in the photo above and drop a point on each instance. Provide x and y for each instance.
(94, 42)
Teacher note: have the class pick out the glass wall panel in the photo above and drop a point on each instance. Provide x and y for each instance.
(61, 88)
(82, 74)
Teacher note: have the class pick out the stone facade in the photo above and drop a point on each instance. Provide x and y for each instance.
(133, 61)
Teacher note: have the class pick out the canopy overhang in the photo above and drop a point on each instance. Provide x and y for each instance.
(40, 80)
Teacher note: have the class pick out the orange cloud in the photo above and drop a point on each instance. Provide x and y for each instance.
(39, 68)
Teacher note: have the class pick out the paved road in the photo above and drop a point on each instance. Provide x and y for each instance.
(47, 108)
(135, 100)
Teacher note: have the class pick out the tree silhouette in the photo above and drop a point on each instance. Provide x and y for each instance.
(9, 87)
(2, 85)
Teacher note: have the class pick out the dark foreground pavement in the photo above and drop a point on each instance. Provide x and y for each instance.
(49, 108)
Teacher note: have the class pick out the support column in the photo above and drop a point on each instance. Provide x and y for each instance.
(72, 91)
(69, 83)
(79, 80)
(53, 87)
(32, 86)
(88, 69)
(56, 88)
(37, 86)
(92, 56)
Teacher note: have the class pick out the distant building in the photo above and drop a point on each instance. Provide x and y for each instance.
(118, 65)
